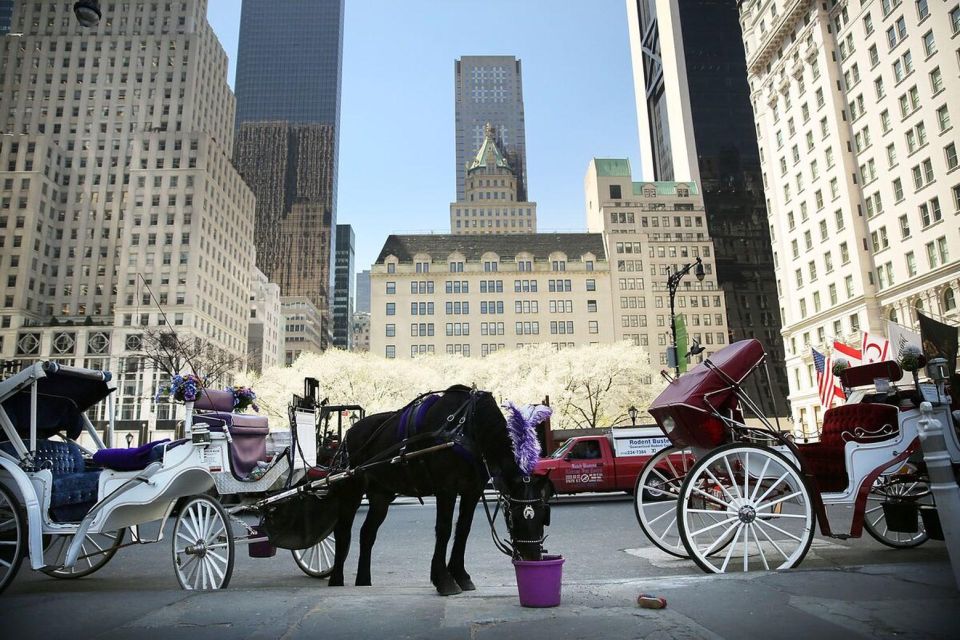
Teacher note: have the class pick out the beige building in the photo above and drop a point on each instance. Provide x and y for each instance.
(360, 331)
(474, 295)
(853, 103)
(490, 202)
(650, 230)
(304, 327)
(265, 328)
(115, 183)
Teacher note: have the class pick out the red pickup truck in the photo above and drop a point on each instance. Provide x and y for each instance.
(609, 462)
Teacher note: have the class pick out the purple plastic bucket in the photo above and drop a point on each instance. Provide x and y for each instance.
(263, 548)
(538, 581)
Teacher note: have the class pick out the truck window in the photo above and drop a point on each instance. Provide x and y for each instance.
(586, 450)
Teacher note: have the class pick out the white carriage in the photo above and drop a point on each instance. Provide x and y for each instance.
(738, 497)
(68, 509)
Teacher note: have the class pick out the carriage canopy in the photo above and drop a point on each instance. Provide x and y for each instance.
(685, 409)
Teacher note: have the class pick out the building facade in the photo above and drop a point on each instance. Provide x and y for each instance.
(304, 328)
(343, 291)
(475, 295)
(289, 70)
(6, 16)
(265, 329)
(363, 291)
(121, 215)
(853, 106)
(489, 90)
(696, 124)
(490, 202)
(290, 170)
(652, 229)
(360, 331)
(290, 62)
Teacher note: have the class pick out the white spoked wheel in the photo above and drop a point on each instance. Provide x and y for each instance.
(896, 487)
(203, 548)
(655, 497)
(96, 550)
(763, 510)
(13, 536)
(316, 561)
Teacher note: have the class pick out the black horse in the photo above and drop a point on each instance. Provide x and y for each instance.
(473, 420)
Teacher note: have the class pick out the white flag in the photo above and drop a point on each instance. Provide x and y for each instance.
(874, 348)
(900, 336)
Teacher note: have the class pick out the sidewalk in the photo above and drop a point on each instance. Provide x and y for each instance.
(889, 601)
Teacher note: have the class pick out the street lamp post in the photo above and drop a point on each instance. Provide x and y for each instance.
(673, 281)
(632, 412)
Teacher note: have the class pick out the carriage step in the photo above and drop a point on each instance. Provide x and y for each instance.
(840, 536)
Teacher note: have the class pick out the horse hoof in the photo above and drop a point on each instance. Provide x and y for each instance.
(448, 588)
(466, 584)
(335, 582)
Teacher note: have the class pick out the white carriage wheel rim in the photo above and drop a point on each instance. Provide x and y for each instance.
(875, 520)
(92, 557)
(202, 524)
(658, 518)
(318, 559)
(10, 515)
(746, 535)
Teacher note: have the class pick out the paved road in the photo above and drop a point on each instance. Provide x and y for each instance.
(600, 541)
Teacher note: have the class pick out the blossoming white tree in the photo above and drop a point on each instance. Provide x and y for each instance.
(590, 386)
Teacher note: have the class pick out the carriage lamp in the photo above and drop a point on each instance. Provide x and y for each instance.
(698, 272)
(353, 418)
(632, 412)
(937, 370)
(87, 12)
(129, 440)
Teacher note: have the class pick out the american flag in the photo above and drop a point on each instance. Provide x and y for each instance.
(827, 386)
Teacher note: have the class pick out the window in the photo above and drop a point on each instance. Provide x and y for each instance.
(897, 32)
(911, 261)
(955, 19)
(391, 308)
(922, 10)
(391, 288)
(844, 253)
(904, 227)
(951, 153)
(898, 190)
(591, 285)
(874, 55)
(615, 193)
(929, 44)
(943, 118)
(391, 351)
(930, 212)
(391, 330)
(936, 81)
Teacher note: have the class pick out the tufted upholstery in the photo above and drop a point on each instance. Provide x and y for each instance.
(74, 488)
(825, 459)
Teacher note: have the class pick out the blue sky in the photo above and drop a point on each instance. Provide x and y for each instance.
(397, 163)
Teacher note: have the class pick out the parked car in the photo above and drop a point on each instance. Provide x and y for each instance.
(607, 462)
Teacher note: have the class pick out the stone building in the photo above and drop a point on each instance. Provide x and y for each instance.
(853, 106)
(265, 332)
(120, 211)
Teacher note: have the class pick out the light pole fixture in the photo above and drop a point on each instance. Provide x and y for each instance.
(353, 418)
(632, 412)
(673, 282)
(87, 12)
(129, 440)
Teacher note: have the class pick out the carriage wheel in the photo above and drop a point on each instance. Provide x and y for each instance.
(896, 487)
(203, 550)
(316, 561)
(655, 497)
(95, 551)
(764, 510)
(13, 536)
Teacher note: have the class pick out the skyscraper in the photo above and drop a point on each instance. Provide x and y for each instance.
(363, 291)
(121, 215)
(288, 113)
(6, 16)
(696, 124)
(343, 290)
(289, 61)
(489, 90)
(853, 108)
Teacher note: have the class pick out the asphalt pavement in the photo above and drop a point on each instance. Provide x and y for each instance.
(855, 589)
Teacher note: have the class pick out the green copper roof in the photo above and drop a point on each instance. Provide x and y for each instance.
(665, 188)
(612, 167)
(489, 144)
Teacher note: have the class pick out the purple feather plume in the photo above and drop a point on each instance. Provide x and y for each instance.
(521, 427)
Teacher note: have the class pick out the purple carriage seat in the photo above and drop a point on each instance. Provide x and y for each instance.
(248, 432)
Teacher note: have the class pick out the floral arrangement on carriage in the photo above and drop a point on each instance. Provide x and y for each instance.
(243, 397)
(182, 388)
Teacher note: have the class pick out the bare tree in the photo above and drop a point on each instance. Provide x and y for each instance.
(170, 354)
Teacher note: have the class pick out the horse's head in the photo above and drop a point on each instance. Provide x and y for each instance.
(526, 509)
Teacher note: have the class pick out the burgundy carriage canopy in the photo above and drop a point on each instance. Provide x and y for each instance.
(689, 398)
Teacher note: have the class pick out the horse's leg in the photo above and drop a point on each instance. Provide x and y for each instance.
(439, 575)
(468, 506)
(349, 497)
(377, 512)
